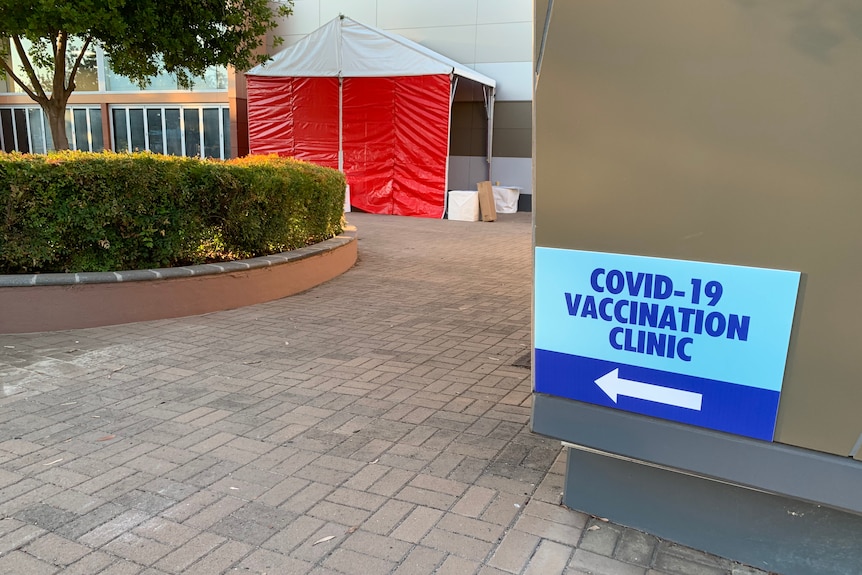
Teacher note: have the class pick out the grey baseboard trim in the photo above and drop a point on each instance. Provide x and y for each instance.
(775, 533)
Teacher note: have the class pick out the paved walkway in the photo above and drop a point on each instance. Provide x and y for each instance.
(372, 425)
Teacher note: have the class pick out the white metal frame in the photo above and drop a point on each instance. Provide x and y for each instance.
(224, 154)
(43, 130)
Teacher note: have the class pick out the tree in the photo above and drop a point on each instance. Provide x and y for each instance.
(140, 37)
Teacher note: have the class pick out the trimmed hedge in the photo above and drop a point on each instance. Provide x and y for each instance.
(77, 212)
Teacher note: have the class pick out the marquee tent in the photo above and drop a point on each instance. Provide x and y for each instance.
(375, 105)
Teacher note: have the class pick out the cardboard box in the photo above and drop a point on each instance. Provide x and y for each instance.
(463, 205)
(486, 202)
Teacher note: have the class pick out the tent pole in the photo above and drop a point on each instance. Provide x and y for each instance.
(340, 124)
(454, 86)
(340, 57)
(340, 60)
(489, 94)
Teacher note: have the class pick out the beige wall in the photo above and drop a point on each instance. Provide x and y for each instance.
(721, 131)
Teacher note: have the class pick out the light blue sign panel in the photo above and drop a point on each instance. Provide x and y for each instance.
(700, 343)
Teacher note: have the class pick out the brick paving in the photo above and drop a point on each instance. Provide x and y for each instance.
(375, 424)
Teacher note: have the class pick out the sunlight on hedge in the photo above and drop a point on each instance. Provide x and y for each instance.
(79, 211)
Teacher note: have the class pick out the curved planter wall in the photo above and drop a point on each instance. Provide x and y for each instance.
(50, 302)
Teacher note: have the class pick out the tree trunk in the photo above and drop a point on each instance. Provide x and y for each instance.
(56, 112)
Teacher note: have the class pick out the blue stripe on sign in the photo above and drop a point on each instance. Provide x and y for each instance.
(739, 409)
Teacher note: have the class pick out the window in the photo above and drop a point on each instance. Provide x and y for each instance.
(116, 83)
(197, 131)
(192, 129)
(7, 131)
(25, 129)
(173, 132)
(96, 139)
(20, 117)
(94, 64)
(214, 79)
(137, 129)
(155, 129)
(86, 79)
(121, 130)
(38, 134)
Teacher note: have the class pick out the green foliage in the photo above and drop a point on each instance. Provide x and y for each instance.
(143, 37)
(184, 37)
(140, 37)
(76, 212)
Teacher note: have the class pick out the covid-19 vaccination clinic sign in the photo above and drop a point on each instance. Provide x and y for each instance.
(698, 343)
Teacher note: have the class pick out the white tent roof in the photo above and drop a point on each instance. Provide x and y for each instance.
(346, 48)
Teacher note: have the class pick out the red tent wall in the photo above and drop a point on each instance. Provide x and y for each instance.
(395, 134)
(294, 117)
(395, 137)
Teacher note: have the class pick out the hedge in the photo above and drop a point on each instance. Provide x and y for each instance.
(77, 212)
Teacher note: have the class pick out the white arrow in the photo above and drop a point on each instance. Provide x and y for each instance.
(613, 385)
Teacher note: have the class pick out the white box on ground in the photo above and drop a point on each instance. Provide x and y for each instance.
(347, 198)
(506, 199)
(464, 205)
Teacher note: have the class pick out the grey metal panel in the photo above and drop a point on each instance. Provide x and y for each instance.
(767, 531)
(513, 132)
(513, 129)
(722, 131)
(469, 127)
(794, 472)
(513, 115)
(513, 143)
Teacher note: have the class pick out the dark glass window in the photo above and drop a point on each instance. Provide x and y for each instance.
(154, 130)
(37, 134)
(173, 132)
(225, 118)
(121, 130)
(82, 134)
(98, 143)
(136, 129)
(8, 133)
(212, 135)
(21, 130)
(193, 132)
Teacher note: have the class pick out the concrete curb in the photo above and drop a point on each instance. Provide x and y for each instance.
(51, 302)
(53, 279)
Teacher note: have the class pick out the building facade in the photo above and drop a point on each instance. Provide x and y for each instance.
(107, 111)
(493, 37)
